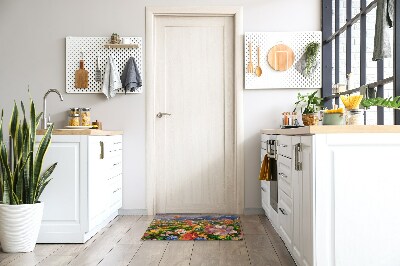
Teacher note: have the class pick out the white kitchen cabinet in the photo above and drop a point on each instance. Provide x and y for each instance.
(303, 200)
(344, 196)
(86, 188)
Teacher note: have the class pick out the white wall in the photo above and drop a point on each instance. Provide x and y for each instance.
(32, 51)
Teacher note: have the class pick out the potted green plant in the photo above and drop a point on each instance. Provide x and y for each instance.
(311, 57)
(309, 105)
(22, 181)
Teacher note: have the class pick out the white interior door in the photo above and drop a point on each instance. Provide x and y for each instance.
(194, 82)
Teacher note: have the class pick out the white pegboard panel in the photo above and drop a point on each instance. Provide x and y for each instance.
(291, 78)
(91, 46)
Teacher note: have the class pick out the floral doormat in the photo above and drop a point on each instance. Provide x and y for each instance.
(194, 227)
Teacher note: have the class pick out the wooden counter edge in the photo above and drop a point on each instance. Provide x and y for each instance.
(334, 130)
(87, 132)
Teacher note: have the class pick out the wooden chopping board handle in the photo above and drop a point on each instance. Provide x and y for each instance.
(81, 77)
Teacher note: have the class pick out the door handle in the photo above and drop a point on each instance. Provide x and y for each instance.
(159, 115)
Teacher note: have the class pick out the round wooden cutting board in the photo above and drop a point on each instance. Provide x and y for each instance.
(280, 57)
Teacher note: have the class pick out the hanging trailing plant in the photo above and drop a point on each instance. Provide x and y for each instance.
(382, 102)
(311, 56)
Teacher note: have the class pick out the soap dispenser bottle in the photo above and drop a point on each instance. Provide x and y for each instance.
(350, 82)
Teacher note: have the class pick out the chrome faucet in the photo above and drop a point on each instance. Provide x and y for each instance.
(44, 120)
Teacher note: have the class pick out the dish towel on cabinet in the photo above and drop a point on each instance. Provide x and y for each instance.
(384, 21)
(265, 171)
(112, 81)
(131, 79)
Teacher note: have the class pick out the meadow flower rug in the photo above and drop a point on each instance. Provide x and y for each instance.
(194, 227)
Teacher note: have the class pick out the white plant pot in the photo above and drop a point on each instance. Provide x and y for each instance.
(19, 226)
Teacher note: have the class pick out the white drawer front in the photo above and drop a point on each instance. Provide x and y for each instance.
(285, 218)
(285, 175)
(284, 146)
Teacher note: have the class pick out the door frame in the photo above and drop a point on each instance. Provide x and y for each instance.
(151, 14)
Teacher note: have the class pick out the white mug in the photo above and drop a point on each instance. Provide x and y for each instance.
(126, 41)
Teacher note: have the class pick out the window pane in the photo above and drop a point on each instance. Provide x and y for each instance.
(371, 65)
(371, 71)
(355, 54)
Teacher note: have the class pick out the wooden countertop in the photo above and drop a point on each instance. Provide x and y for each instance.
(311, 130)
(88, 132)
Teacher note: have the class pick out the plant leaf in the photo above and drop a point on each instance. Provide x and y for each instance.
(42, 148)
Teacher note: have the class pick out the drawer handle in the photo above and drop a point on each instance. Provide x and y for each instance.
(282, 145)
(263, 189)
(101, 150)
(283, 175)
(283, 211)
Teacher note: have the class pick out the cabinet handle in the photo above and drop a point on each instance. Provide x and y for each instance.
(101, 150)
(282, 145)
(263, 189)
(297, 164)
(283, 175)
(283, 211)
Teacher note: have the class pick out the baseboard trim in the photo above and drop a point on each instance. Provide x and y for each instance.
(246, 211)
(253, 211)
(132, 211)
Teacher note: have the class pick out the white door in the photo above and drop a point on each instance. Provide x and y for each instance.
(194, 82)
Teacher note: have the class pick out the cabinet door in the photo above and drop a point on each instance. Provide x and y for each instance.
(297, 204)
(64, 219)
(303, 202)
(307, 201)
(265, 200)
(97, 189)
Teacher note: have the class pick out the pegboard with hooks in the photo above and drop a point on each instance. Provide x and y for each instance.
(91, 47)
(291, 78)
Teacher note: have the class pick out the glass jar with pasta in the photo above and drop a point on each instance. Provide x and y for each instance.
(85, 117)
(73, 120)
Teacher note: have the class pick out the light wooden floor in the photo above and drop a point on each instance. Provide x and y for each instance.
(119, 244)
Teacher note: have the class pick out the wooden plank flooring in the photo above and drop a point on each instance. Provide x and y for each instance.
(119, 244)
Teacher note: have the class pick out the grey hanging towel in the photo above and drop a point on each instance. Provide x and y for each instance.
(130, 78)
(384, 21)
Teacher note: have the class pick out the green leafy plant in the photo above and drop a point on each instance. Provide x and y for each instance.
(311, 56)
(309, 103)
(21, 178)
(383, 102)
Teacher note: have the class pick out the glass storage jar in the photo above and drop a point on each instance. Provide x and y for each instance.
(355, 117)
(74, 111)
(73, 120)
(85, 117)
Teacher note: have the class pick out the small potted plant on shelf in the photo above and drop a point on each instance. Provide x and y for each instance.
(309, 104)
(22, 181)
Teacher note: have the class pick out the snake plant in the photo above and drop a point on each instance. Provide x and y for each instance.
(21, 178)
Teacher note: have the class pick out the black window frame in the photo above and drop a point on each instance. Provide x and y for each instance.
(328, 37)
